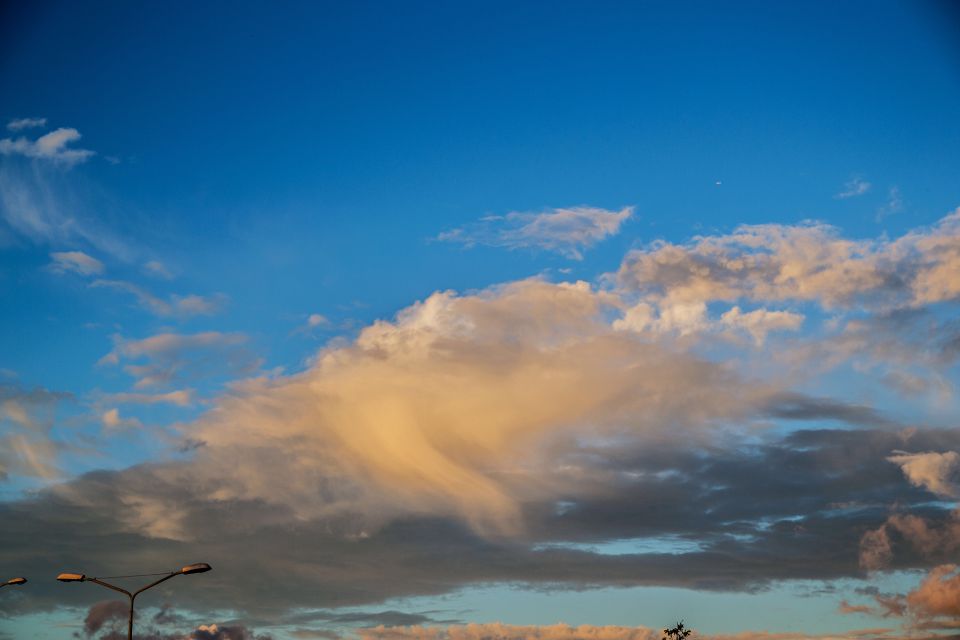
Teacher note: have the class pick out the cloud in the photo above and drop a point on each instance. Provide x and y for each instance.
(932, 471)
(47, 206)
(933, 604)
(509, 632)
(170, 357)
(103, 613)
(876, 549)
(847, 608)
(759, 322)
(513, 435)
(854, 187)
(501, 631)
(50, 146)
(76, 262)
(19, 124)
(112, 421)
(317, 320)
(224, 632)
(26, 418)
(175, 305)
(179, 397)
(893, 205)
(790, 529)
(107, 620)
(565, 231)
(157, 269)
(800, 263)
(434, 412)
(938, 594)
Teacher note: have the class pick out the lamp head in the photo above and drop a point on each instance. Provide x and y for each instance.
(71, 577)
(200, 567)
(16, 581)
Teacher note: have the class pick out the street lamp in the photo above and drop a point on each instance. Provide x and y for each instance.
(13, 581)
(200, 567)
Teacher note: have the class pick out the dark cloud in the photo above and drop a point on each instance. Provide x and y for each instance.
(387, 618)
(795, 406)
(103, 613)
(751, 513)
(167, 616)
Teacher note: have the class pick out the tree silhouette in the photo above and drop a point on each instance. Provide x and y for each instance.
(678, 632)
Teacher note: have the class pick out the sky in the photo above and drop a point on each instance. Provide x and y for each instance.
(453, 321)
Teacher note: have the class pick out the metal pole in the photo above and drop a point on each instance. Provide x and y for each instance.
(132, 596)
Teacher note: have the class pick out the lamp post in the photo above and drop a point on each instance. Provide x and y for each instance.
(12, 582)
(200, 567)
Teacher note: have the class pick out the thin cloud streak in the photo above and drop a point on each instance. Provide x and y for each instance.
(75, 261)
(854, 187)
(19, 124)
(566, 231)
(175, 306)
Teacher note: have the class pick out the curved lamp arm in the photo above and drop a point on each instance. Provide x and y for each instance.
(13, 582)
(79, 577)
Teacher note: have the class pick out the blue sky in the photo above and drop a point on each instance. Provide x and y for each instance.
(492, 274)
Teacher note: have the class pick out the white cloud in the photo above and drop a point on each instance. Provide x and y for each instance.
(803, 263)
(19, 124)
(313, 323)
(933, 471)
(76, 262)
(43, 205)
(51, 146)
(174, 306)
(893, 205)
(168, 357)
(179, 397)
(567, 231)
(112, 421)
(760, 322)
(854, 187)
(157, 269)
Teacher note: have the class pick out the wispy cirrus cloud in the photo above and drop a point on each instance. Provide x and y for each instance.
(157, 269)
(170, 357)
(179, 397)
(856, 186)
(47, 206)
(174, 306)
(567, 231)
(19, 124)
(75, 262)
(894, 204)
